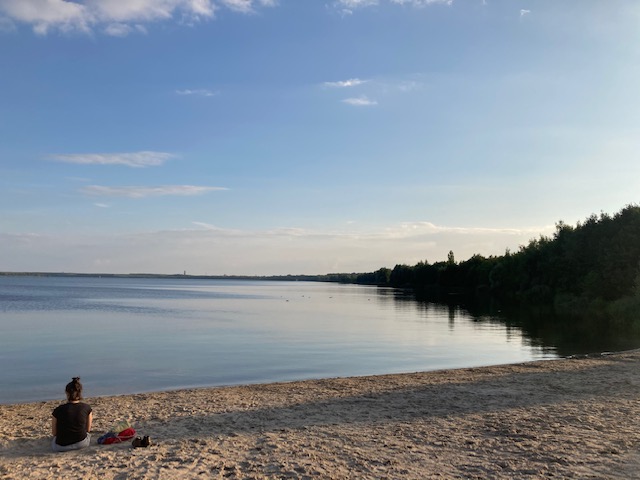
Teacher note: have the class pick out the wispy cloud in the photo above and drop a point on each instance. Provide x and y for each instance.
(154, 191)
(416, 228)
(228, 232)
(123, 29)
(376, 87)
(348, 6)
(524, 12)
(408, 85)
(102, 205)
(407, 230)
(261, 251)
(206, 226)
(352, 82)
(246, 6)
(361, 101)
(120, 18)
(422, 3)
(116, 17)
(200, 92)
(133, 159)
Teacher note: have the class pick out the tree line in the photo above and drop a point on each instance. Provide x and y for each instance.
(592, 268)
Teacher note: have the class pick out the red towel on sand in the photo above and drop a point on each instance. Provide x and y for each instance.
(124, 436)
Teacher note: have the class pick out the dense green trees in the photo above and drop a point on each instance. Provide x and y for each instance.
(593, 267)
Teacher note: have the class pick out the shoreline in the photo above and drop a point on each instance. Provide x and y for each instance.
(570, 417)
(311, 379)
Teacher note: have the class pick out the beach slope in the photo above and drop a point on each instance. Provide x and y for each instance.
(569, 418)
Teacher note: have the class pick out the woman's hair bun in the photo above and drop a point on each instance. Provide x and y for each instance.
(76, 379)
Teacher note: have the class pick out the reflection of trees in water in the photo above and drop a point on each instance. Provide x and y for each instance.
(569, 337)
(538, 327)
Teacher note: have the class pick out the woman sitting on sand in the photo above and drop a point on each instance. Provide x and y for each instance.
(71, 422)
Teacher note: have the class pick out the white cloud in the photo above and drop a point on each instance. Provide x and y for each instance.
(376, 87)
(122, 17)
(123, 29)
(206, 248)
(133, 159)
(44, 14)
(200, 92)
(141, 192)
(115, 17)
(361, 101)
(353, 4)
(139, 10)
(348, 6)
(118, 29)
(102, 205)
(244, 6)
(352, 82)
(524, 12)
(422, 3)
(206, 226)
(418, 228)
(226, 232)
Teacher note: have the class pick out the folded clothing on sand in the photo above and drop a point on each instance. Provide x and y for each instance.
(122, 432)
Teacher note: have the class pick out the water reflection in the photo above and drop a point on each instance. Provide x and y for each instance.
(539, 328)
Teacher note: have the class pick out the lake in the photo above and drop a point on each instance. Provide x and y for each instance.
(126, 335)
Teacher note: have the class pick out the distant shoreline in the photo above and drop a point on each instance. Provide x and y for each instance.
(307, 278)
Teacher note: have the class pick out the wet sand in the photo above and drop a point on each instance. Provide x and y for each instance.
(568, 418)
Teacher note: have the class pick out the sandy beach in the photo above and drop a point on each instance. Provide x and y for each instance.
(568, 418)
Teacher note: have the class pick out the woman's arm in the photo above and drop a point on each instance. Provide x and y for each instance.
(54, 426)
(89, 420)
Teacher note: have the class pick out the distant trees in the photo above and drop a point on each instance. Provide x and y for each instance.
(379, 277)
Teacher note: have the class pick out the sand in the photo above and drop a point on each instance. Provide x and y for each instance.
(568, 418)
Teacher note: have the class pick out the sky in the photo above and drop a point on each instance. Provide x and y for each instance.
(268, 137)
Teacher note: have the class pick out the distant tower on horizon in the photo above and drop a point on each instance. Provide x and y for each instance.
(185, 273)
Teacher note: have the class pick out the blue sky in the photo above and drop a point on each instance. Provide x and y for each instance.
(302, 136)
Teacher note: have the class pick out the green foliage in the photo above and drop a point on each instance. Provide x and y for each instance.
(591, 268)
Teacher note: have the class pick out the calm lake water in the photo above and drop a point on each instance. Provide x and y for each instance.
(125, 335)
